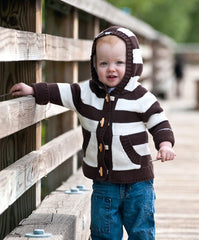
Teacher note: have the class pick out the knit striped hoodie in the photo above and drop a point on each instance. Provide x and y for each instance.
(114, 125)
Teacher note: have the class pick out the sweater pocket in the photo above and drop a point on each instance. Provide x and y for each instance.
(130, 143)
(86, 137)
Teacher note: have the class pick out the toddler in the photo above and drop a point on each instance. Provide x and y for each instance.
(115, 112)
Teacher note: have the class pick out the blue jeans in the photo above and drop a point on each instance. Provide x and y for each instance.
(116, 205)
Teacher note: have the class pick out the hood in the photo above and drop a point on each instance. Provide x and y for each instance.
(134, 63)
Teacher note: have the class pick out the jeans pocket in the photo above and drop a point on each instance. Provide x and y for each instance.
(100, 214)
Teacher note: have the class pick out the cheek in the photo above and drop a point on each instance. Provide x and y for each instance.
(122, 72)
(100, 73)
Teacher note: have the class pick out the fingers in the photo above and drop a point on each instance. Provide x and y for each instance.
(16, 89)
(166, 154)
(21, 89)
(167, 157)
(159, 156)
(16, 93)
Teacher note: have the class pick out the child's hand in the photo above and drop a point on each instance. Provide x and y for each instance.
(21, 89)
(166, 152)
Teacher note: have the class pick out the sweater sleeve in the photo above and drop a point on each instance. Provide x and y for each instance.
(162, 132)
(156, 122)
(46, 92)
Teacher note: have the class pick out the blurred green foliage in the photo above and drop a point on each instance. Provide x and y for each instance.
(178, 19)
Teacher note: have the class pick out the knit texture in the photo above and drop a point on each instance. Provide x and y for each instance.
(114, 124)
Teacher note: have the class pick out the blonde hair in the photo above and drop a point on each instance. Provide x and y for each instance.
(110, 39)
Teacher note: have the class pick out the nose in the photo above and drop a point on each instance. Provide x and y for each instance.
(111, 67)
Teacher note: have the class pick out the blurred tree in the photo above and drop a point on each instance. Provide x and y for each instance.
(178, 19)
(193, 31)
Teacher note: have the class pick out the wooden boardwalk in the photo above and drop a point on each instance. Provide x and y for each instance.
(177, 182)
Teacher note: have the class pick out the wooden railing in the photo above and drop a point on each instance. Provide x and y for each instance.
(59, 53)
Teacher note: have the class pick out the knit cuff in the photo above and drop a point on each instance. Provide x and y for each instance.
(41, 93)
(162, 136)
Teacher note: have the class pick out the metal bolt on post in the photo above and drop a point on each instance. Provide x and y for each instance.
(38, 233)
(82, 188)
(73, 191)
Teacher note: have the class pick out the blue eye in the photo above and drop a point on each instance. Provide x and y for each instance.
(120, 62)
(103, 63)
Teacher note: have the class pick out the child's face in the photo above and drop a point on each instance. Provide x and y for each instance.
(111, 62)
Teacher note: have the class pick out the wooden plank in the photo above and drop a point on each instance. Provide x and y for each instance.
(113, 15)
(67, 49)
(176, 184)
(13, 47)
(27, 46)
(103, 10)
(64, 216)
(17, 145)
(96, 26)
(75, 71)
(147, 52)
(22, 112)
(147, 70)
(38, 131)
(18, 45)
(24, 173)
(164, 52)
(20, 15)
(164, 63)
(38, 29)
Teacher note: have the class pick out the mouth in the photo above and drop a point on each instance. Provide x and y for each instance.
(112, 78)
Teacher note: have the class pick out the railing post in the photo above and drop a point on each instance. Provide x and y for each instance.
(75, 35)
(38, 79)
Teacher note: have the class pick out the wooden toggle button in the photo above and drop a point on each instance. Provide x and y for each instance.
(101, 171)
(102, 122)
(101, 147)
(107, 97)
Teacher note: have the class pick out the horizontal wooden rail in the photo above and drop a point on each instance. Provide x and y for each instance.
(20, 113)
(104, 10)
(17, 178)
(67, 49)
(27, 46)
(146, 51)
(164, 64)
(163, 52)
(65, 216)
(113, 15)
(147, 71)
